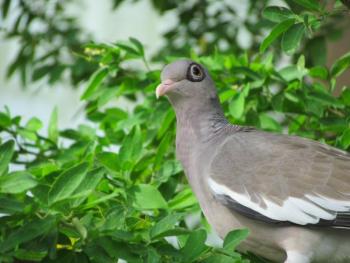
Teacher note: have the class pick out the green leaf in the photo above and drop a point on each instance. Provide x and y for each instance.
(268, 123)
(5, 8)
(226, 95)
(67, 182)
(97, 254)
(316, 49)
(164, 225)
(224, 259)
(30, 255)
(275, 33)
(162, 148)
(103, 199)
(320, 94)
(292, 37)
(292, 97)
(44, 168)
(131, 50)
(246, 72)
(6, 152)
(340, 65)
(319, 72)
(17, 182)
(235, 237)
(56, 73)
(10, 205)
(236, 106)
(5, 120)
(301, 63)
(345, 139)
(131, 149)
(167, 121)
(312, 106)
(90, 182)
(183, 200)
(106, 96)
(109, 160)
(195, 246)
(145, 197)
(79, 227)
(129, 123)
(53, 126)
(277, 13)
(332, 124)
(290, 73)
(34, 124)
(345, 96)
(325, 99)
(27, 134)
(313, 5)
(118, 250)
(94, 83)
(114, 218)
(40, 72)
(153, 256)
(167, 169)
(138, 45)
(28, 232)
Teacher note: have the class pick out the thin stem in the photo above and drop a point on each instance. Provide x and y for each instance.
(146, 63)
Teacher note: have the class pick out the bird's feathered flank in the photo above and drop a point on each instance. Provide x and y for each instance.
(282, 179)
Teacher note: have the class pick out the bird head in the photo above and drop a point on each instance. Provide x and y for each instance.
(184, 80)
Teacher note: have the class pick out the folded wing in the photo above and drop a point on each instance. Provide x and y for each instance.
(282, 179)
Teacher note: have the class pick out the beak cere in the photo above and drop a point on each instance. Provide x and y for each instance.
(164, 87)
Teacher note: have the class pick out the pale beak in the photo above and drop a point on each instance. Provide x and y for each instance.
(164, 87)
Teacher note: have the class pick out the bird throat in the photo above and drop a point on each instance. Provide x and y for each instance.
(197, 124)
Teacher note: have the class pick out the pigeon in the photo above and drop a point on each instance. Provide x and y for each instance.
(292, 193)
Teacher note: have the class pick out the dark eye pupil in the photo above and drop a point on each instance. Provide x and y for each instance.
(196, 71)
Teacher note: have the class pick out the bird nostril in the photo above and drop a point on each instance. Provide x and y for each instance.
(167, 82)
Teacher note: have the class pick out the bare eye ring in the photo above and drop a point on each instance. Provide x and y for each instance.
(195, 73)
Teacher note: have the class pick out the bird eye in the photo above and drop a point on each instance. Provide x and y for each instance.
(195, 73)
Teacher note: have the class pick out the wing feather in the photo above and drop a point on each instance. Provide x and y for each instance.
(282, 178)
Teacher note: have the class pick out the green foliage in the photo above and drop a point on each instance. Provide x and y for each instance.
(17, 182)
(91, 203)
(6, 153)
(341, 65)
(49, 53)
(309, 25)
(276, 32)
(277, 14)
(56, 52)
(79, 199)
(112, 189)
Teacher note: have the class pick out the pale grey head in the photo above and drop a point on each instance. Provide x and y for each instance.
(184, 81)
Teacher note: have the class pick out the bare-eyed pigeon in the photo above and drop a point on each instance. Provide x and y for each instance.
(292, 193)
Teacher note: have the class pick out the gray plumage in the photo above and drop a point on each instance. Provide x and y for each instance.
(292, 193)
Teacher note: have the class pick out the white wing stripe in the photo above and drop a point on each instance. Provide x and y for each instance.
(329, 203)
(312, 209)
(293, 209)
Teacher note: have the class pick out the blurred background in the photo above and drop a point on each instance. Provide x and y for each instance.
(101, 22)
(41, 35)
